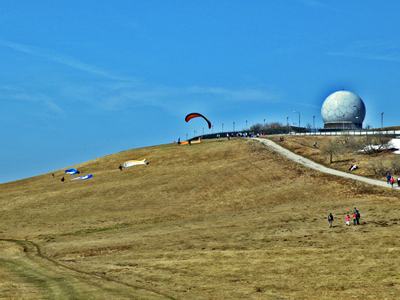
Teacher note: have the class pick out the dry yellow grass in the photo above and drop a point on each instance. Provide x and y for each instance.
(219, 220)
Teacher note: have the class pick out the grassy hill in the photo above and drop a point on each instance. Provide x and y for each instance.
(223, 219)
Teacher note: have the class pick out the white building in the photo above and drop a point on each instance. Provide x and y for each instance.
(343, 110)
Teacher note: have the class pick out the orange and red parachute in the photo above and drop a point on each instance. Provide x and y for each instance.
(197, 115)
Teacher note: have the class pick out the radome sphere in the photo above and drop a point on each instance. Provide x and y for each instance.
(343, 110)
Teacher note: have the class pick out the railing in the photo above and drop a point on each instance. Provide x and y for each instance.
(349, 132)
(315, 133)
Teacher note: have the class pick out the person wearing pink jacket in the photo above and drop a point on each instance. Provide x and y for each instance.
(347, 219)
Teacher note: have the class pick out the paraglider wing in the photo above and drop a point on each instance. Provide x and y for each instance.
(72, 171)
(131, 163)
(86, 177)
(197, 115)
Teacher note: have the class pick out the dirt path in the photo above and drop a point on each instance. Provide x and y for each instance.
(318, 167)
(44, 278)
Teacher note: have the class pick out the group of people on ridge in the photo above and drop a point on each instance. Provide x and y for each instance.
(356, 216)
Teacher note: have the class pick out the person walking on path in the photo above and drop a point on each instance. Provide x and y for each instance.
(391, 181)
(398, 181)
(388, 177)
(347, 219)
(330, 220)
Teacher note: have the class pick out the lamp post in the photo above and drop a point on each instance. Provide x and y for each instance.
(343, 124)
(246, 124)
(222, 127)
(313, 122)
(233, 126)
(287, 124)
(382, 120)
(357, 117)
(297, 112)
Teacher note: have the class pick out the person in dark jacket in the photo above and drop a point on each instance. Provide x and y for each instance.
(388, 176)
(330, 220)
(358, 216)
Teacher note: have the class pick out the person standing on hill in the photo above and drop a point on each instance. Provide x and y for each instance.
(347, 219)
(358, 215)
(354, 218)
(330, 220)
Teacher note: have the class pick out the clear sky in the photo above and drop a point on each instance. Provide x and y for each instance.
(81, 79)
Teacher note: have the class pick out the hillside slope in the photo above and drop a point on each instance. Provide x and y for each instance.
(223, 219)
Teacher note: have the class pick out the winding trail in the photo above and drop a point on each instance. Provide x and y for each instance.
(58, 281)
(318, 167)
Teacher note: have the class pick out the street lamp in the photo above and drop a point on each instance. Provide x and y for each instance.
(313, 122)
(297, 112)
(246, 124)
(233, 126)
(357, 117)
(222, 127)
(287, 124)
(343, 124)
(382, 120)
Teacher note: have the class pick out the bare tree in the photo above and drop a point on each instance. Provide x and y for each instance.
(333, 148)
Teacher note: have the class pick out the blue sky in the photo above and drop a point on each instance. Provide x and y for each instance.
(81, 79)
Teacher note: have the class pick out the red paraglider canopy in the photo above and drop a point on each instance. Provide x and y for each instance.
(197, 115)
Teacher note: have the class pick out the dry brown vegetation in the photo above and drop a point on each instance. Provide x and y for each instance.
(219, 220)
(345, 153)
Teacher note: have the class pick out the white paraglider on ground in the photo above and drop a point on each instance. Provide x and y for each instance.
(131, 163)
